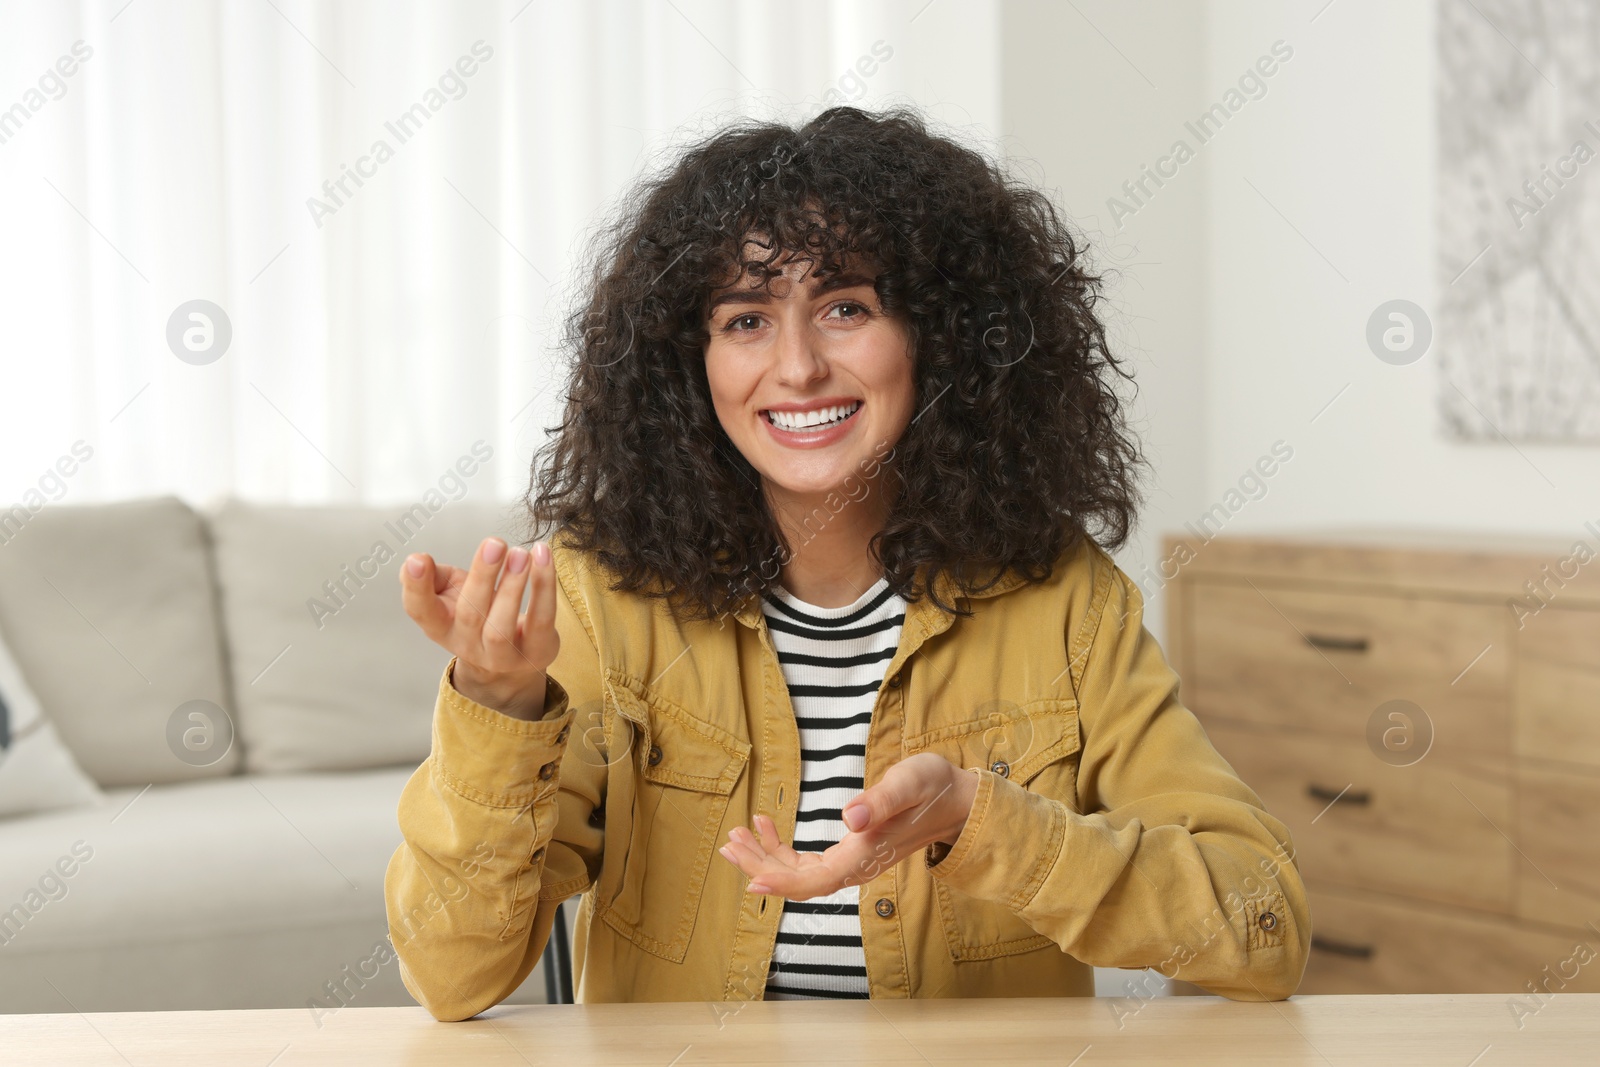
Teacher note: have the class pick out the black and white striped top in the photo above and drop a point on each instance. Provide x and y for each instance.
(833, 660)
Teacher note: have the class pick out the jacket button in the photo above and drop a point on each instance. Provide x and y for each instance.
(655, 755)
(1268, 921)
(894, 680)
(562, 736)
(537, 853)
(547, 771)
(884, 907)
(1001, 767)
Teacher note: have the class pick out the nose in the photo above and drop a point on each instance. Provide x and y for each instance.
(801, 360)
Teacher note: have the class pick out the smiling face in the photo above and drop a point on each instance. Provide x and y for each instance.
(810, 378)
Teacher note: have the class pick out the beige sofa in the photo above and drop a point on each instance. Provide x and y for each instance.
(220, 874)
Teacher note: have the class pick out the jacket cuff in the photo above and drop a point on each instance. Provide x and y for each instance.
(491, 758)
(985, 862)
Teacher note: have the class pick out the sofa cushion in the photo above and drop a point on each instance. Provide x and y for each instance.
(240, 892)
(329, 671)
(37, 773)
(110, 611)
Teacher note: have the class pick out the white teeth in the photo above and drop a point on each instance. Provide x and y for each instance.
(805, 420)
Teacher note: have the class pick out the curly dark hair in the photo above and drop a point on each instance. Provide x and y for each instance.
(1021, 447)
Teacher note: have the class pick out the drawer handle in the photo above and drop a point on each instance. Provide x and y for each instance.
(1336, 644)
(1351, 796)
(1341, 948)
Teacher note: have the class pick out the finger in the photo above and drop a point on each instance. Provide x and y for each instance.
(769, 834)
(478, 593)
(752, 862)
(727, 854)
(542, 573)
(500, 629)
(743, 857)
(444, 576)
(418, 594)
(794, 885)
(875, 806)
(747, 840)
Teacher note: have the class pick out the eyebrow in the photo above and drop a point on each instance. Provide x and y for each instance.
(844, 280)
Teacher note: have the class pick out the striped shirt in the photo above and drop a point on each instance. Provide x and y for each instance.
(833, 661)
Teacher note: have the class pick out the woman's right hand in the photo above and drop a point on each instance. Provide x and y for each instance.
(501, 653)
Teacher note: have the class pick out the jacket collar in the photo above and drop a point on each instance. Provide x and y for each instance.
(923, 612)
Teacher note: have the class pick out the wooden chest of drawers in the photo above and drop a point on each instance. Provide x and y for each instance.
(1423, 712)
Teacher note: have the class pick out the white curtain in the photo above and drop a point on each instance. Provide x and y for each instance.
(188, 151)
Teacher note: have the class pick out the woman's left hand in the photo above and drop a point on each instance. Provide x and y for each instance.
(920, 800)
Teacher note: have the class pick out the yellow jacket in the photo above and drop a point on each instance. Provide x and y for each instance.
(1106, 830)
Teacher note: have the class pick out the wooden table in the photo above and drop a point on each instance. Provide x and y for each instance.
(1480, 1031)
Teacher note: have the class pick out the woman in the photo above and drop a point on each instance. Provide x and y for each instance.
(827, 686)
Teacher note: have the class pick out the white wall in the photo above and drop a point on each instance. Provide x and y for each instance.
(1093, 93)
(1344, 147)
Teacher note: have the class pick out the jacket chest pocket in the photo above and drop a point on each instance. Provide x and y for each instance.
(666, 803)
(1037, 746)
